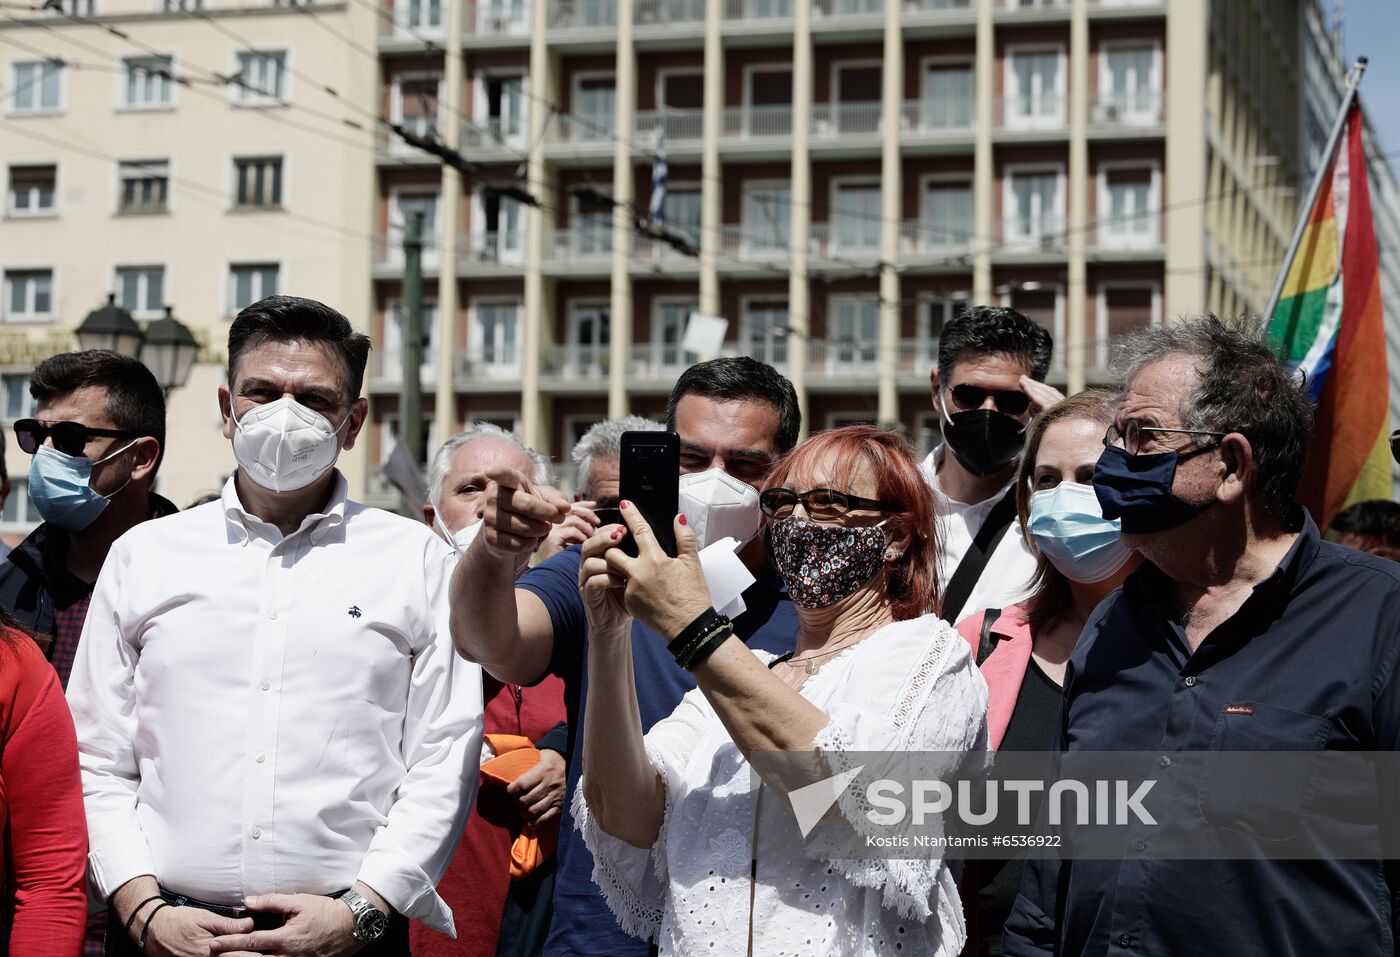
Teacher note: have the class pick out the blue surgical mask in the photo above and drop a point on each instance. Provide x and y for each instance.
(60, 486)
(1137, 489)
(1067, 525)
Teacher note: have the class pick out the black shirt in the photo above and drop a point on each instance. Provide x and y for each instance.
(1031, 728)
(1307, 663)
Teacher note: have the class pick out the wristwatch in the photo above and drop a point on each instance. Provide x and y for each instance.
(370, 921)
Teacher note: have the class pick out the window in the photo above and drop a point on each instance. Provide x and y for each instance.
(408, 205)
(767, 217)
(681, 212)
(1129, 83)
(37, 87)
(392, 359)
(1035, 88)
(502, 16)
(768, 99)
(259, 181)
(148, 83)
(947, 214)
(591, 233)
(496, 336)
(1041, 305)
(73, 8)
(18, 509)
(855, 331)
(501, 101)
(858, 93)
(948, 102)
(181, 6)
(498, 235)
(590, 335)
(421, 15)
(855, 210)
(141, 290)
(681, 91)
(14, 389)
(389, 439)
(934, 315)
(32, 190)
(28, 295)
(596, 98)
(766, 330)
(1128, 216)
(1033, 215)
(249, 283)
(668, 328)
(1127, 309)
(262, 78)
(418, 106)
(145, 186)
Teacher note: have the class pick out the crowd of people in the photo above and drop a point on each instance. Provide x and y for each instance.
(282, 722)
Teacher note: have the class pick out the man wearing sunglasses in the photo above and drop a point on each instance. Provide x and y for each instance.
(97, 438)
(988, 383)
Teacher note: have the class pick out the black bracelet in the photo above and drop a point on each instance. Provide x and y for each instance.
(137, 910)
(685, 642)
(145, 928)
(707, 647)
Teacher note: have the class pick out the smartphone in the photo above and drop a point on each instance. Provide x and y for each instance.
(649, 476)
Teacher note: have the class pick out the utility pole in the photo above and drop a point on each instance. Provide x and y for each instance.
(411, 333)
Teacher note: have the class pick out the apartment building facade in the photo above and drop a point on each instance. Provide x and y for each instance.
(133, 165)
(849, 173)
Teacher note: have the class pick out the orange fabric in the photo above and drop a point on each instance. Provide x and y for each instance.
(516, 754)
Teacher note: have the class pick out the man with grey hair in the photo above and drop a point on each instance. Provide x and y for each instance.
(456, 485)
(1242, 631)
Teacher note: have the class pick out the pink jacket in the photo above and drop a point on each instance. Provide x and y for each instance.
(1004, 669)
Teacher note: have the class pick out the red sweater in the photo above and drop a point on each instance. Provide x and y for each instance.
(41, 799)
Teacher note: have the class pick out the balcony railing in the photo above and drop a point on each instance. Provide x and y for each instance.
(492, 248)
(647, 249)
(493, 365)
(388, 251)
(1140, 108)
(575, 363)
(920, 8)
(751, 241)
(1033, 234)
(830, 120)
(939, 116)
(592, 245)
(858, 238)
(843, 358)
(582, 15)
(663, 13)
(658, 360)
(1125, 233)
(680, 125)
(497, 19)
(407, 21)
(582, 128)
(847, 8)
(496, 133)
(387, 365)
(1019, 112)
(1033, 4)
(758, 9)
(919, 237)
(755, 122)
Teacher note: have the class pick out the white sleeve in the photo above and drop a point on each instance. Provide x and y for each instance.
(102, 697)
(633, 879)
(441, 755)
(922, 695)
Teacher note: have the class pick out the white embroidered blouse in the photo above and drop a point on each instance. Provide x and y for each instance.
(911, 686)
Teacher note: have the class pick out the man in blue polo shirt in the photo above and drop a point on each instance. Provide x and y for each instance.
(735, 417)
(1242, 631)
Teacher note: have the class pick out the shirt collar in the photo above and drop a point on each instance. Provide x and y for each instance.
(931, 464)
(242, 525)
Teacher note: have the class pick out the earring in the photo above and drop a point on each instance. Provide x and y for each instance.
(893, 556)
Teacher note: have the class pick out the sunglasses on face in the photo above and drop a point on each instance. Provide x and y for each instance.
(821, 504)
(70, 438)
(1013, 402)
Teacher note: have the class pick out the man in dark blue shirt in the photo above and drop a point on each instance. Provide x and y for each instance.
(735, 415)
(1243, 631)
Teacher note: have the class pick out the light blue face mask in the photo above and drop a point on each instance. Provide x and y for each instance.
(60, 486)
(1067, 525)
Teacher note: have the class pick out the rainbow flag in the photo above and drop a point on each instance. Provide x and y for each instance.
(1329, 323)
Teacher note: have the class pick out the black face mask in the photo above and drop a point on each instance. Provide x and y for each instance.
(983, 441)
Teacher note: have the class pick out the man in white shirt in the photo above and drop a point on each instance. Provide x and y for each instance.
(989, 381)
(278, 743)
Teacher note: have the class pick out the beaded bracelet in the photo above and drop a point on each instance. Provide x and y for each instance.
(693, 634)
(711, 641)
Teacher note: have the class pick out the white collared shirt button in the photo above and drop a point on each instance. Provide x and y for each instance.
(255, 832)
(260, 757)
(264, 684)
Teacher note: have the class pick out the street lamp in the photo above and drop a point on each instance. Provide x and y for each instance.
(166, 346)
(169, 351)
(111, 327)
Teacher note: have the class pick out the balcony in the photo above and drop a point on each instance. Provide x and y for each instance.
(1127, 113)
(1034, 9)
(938, 121)
(1123, 9)
(1127, 237)
(490, 369)
(942, 243)
(392, 149)
(386, 369)
(832, 121)
(580, 365)
(500, 18)
(496, 134)
(589, 250)
(918, 10)
(846, 9)
(410, 26)
(759, 13)
(658, 362)
(491, 252)
(681, 126)
(853, 242)
(387, 255)
(1032, 237)
(757, 123)
(582, 16)
(754, 243)
(649, 254)
(856, 363)
(668, 14)
(1046, 114)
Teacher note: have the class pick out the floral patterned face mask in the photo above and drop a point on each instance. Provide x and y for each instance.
(822, 564)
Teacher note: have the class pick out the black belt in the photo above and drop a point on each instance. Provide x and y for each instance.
(262, 920)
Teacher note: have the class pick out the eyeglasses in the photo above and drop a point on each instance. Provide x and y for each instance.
(1012, 402)
(821, 504)
(1130, 435)
(70, 438)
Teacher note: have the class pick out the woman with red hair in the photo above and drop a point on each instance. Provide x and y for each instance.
(671, 817)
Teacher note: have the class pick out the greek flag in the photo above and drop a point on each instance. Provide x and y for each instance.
(659, 174)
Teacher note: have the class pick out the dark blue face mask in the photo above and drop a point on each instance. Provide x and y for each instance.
(1137, 489)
